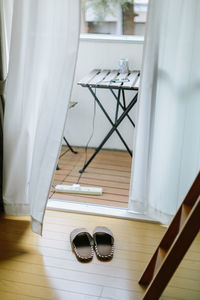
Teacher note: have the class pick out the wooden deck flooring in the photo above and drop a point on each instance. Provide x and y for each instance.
(110, 170)
(34, 267)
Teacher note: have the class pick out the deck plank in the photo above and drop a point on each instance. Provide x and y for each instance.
(110, 170)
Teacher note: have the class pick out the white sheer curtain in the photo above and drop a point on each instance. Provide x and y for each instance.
(5, 32)
(6, 11)
(44, 43)
(167, 154)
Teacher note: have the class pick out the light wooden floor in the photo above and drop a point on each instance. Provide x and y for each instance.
(33, 267)
(109, 170)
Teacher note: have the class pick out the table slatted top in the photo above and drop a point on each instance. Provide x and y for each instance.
(111, 79)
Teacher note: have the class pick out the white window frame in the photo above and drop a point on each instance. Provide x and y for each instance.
(112, 38)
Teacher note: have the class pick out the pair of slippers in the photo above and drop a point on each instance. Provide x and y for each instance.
(83, 244)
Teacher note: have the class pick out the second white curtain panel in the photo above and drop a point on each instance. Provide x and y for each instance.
(167, 153)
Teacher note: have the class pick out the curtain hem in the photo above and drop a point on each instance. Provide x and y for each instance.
(36, 226)
(17, 209)
(151, 212)
(162, 217)
(23, 210)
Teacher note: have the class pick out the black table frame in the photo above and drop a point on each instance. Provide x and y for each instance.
(126, 109)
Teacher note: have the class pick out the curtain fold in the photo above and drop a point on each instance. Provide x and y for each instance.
(167, 151)
(5, 31)
(44, 44)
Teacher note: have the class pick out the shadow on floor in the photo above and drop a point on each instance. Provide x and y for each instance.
(11, 233)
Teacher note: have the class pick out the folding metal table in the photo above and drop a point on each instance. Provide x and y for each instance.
(117, 83)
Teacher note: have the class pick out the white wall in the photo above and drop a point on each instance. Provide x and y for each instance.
(103, 54)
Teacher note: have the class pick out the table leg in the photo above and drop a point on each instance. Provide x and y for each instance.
(109, 119)
(123, 106)
(124, 100)
(69, 146)
(117, 107)
(114, 128)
